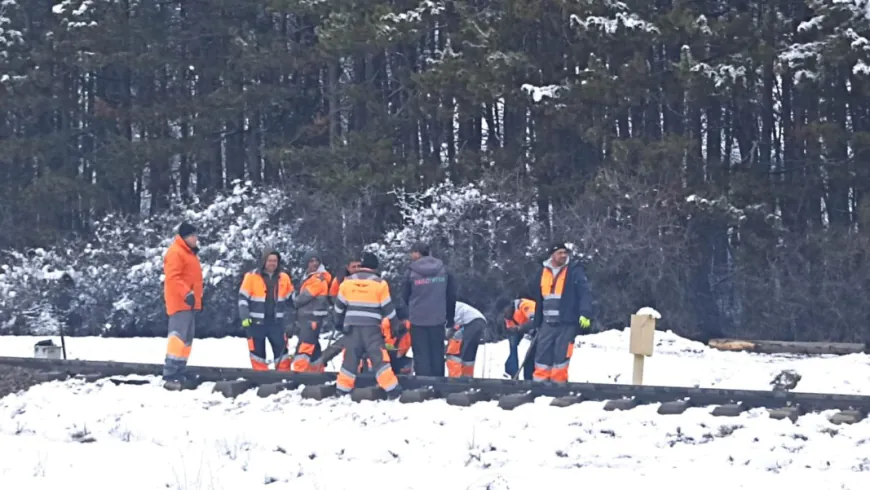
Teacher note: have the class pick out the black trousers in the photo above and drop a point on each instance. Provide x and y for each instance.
(427, 342)
(258, 335)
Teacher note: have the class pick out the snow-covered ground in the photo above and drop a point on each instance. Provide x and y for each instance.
(142, 437)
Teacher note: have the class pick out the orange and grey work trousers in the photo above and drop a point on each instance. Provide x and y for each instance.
(182, 327)
(462, 349)
(258, 334)
(554, 347)
(308, 348)
(366, 341)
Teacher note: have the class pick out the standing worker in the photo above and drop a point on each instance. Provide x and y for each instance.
(351, 268)
(263, 309)
(182, 292)
(519, 320)
(312, 308)
(363, 302)
(430, 293)
(463, 340)
(563, 303)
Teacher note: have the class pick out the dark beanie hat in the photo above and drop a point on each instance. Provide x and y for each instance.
(186, 229)
(557, 246)
(369, 261)
(421, 248)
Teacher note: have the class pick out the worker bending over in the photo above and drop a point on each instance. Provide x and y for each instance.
(463, 339)
(312, 308)
(562, 304)
(263, 299)
(398, 342)
(363, 302)
(519, 320)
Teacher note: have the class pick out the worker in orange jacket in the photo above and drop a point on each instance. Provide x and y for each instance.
(397, 341)
(263, 299)
(312, 307)
(564, 305)
(363, 302)
(182, 292)
(351, 269)
(397, 344)
(519, 319)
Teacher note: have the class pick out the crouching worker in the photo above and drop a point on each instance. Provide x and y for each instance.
(463, 339)
(263, 300)
(312, 308)
(363, 302)
(398, 342)
(519, 320)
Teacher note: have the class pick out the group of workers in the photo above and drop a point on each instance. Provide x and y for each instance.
(377, 333)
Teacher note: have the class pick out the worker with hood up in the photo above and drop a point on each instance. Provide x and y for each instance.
(263, 310)
(312, 308)
(430, 293)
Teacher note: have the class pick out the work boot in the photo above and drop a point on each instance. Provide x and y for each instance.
(395, 393)
(180, 382)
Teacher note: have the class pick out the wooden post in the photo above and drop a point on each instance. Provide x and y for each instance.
(641, 343)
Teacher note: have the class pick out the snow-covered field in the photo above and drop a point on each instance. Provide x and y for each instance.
(142, 437)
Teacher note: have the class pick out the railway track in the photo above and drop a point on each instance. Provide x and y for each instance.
(509, 394)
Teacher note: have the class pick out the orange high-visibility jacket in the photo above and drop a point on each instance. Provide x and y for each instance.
(252, 296)
(364, 300)
(183, 274)
(403, 343)
(524, 312)
(313, 298)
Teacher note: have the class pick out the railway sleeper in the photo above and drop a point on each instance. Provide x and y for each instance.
(510, 402)
(319, 392)
(676, 407)
(729, 410)
(621, 404)
(234, 388)
(792, 413)
(267, 390)
(467, 398)
(566, 401)
(419, 395)
(848, 417)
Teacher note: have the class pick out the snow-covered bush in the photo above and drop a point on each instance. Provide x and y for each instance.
(118, 273)
(482, 234)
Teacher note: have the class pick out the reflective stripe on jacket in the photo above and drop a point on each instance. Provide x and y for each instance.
(313, 297)
(253, 293)
(364, 300)
(563, 296)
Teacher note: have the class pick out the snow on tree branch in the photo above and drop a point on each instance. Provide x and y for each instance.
(606, 25)
(539, 93)
(76, 13)
(451, 218)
